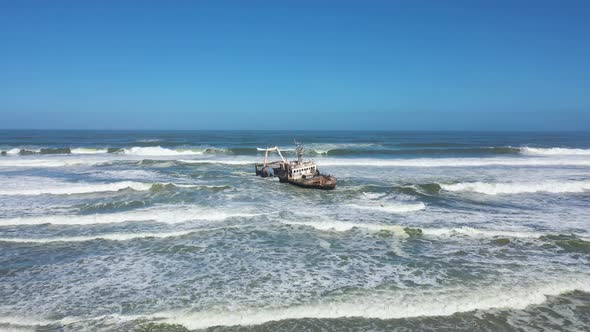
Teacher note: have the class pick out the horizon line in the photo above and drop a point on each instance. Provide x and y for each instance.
(313, 130)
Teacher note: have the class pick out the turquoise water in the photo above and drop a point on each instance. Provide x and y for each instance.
(171, 230)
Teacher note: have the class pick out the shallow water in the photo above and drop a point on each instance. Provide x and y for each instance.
(172, 231)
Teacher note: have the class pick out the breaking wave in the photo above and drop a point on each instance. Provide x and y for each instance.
(404, 303)
(519, 188)
(110, 237)
(474, 232)
(343, 149)
(414, 162)
(455, 162)
(555, 151)
(163, 148)
(343, 226)
(418, 152)
(34, 163)
(115, 236)
(135, 151)
(575, 241)
(388, 305)
(78, 188)
(164, 214)
(13, 151)
(86, 188)
(324, 161)
(159, 151)
(236, 161)
(88, 151)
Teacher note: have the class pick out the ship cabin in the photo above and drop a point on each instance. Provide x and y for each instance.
(303, 170)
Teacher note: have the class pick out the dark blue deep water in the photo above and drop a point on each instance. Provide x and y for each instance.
(171, 231)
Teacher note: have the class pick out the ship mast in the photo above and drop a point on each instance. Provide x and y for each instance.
(299, 153)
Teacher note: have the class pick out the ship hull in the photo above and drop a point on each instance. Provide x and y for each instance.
(324, 182)
(298, 173)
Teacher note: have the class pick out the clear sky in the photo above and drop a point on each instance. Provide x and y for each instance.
(383, 65)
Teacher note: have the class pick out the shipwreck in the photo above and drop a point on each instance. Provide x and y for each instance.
(297, 172)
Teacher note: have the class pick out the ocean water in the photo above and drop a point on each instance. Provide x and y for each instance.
(171, 231)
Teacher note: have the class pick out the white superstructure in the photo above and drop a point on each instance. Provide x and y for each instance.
(307, 169)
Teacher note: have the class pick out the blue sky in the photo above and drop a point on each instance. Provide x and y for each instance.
(382, 65)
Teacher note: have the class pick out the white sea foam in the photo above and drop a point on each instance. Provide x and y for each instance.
(343, 226)
(88, 151)
(555, 151)
(402, 303)
(160, 151)
(98, 159)
(223, 161)
(37, 185)
(282, 150)
(165, 214)
(17, 329)
(16, 151)
(491, 233)
(455, 162)
(135, 153)
(115, 236)
(51, 162)
(23, 322)
(13, 151)
(473, 232)
(373, 196)
(519, 188)
(400, 230)
(390, 208)
(65, 188)
(110, 236)
(388, 305)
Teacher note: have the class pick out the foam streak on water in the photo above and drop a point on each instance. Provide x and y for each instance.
(520, 188)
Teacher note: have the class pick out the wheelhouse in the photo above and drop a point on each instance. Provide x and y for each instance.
(305, 170)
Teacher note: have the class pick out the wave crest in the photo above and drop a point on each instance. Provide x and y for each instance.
(343, 226)
(88, 151)
(159, 151)
(110, 237)
(65, 188)
(165, 214)
(555, 151)
(518, 188)
(388, 305)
